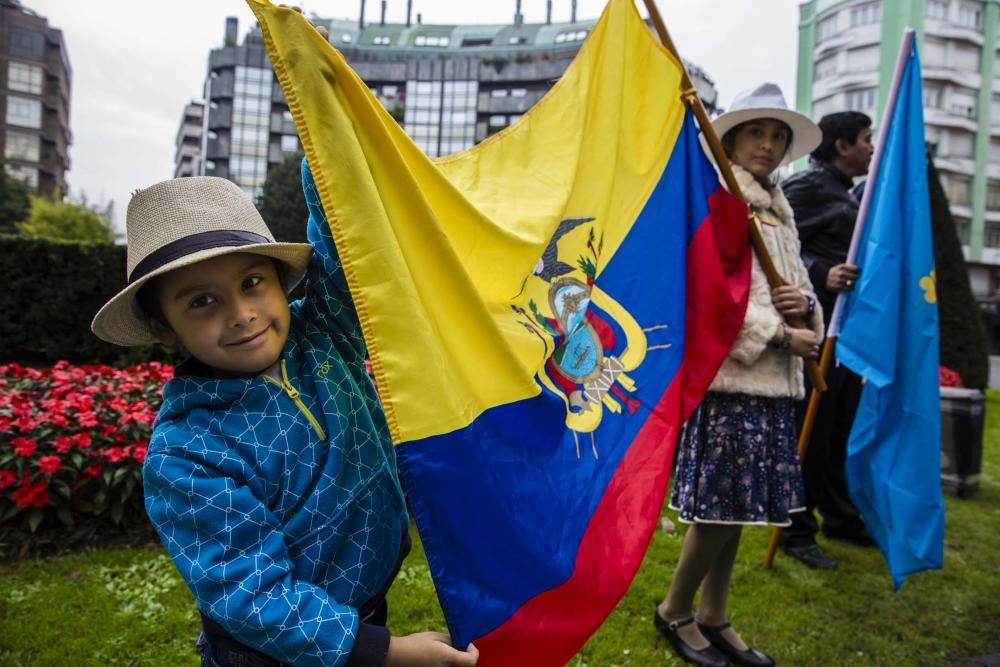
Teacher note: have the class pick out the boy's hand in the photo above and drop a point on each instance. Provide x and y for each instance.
(320, 29)
(428, 649)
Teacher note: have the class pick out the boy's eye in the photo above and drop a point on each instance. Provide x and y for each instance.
(201, 301)
(251, 282)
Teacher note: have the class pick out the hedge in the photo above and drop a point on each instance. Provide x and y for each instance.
(52, 289)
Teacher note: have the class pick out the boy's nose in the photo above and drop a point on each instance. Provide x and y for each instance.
(242, 313)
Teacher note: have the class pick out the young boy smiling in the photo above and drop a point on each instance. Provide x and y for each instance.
(270, 476)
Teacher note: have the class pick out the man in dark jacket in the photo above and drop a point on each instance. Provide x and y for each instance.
(825, 213)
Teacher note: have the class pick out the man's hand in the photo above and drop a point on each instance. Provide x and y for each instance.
(841, 278)
(790, 301)
(428, 649)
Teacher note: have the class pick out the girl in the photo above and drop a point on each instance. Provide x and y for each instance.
(737, 462)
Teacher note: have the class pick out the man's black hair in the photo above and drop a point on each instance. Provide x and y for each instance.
(846, 125)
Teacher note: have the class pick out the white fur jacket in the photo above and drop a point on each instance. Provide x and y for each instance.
(753, 366)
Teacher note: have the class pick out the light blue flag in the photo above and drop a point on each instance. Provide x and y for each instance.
(889, 336)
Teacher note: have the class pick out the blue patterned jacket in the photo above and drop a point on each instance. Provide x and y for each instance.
(279, 502)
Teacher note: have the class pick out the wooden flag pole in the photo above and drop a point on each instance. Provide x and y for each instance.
(805, 434)
(691, 98)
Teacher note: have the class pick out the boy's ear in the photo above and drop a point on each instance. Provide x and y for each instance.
(163, 334)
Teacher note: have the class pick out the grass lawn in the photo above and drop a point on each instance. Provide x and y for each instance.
(128, 607)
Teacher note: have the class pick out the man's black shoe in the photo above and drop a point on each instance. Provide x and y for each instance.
(859, 538)
(811, 555)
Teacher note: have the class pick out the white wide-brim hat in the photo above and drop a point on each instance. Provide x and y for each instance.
(181, 222)
(767, 101)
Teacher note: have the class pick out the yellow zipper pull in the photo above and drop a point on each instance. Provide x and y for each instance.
(293, 394)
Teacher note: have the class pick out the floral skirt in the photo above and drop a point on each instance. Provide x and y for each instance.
(737, 462)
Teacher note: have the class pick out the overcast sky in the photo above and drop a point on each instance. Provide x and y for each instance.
(136, 63)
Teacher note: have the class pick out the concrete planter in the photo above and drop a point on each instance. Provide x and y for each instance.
(963, 418)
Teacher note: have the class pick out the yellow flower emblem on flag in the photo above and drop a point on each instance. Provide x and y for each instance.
(929, 285)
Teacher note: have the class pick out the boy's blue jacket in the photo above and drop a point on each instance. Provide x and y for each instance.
(282, 533)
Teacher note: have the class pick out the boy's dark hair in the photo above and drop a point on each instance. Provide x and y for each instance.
(148, 296)
(729, 138)
(846, 125)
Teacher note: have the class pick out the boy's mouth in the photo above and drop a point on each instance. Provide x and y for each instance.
(249, 340)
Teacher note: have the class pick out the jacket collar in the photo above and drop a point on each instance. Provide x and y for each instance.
(837, 174)
(762, 198)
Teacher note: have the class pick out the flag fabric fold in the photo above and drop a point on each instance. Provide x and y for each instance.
(889, 336)
(542, 312)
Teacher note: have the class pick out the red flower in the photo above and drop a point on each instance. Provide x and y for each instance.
(59, 420)
(82, 440)
(86, 419)
(62, 444)
(30, 495)
(948, 377)
(114, 454)
(49, 464)
(24, 446)
(93, 471)
(7, 478)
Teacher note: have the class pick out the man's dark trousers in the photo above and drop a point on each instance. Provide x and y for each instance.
(823, 466)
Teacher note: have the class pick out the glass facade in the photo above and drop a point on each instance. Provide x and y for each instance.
(24, 78)
(22, 146)
(27, 175)
(251, 127)
(24, 112)
(440, 116)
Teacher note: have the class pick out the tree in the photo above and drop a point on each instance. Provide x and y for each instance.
(14, 204)
(963, 339)
(281, 202)
(63, 220)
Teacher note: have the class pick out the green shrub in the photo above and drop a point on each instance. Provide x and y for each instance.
(52, 291)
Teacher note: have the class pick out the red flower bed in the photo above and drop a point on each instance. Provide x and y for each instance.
(73, 439)
(948, 377)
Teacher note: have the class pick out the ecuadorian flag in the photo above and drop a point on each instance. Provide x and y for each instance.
(542, 312)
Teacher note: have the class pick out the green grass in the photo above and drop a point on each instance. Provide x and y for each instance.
(127, 606)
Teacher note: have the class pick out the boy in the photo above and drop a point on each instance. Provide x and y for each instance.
(270, 475)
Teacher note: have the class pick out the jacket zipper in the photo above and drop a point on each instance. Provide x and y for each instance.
(293, 394)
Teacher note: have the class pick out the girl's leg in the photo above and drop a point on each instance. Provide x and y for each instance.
(703, 544)
(712, 606)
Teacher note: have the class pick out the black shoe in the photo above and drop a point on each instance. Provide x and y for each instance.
(708, 656)
(859, 538)
(811, 555)
(749, 657)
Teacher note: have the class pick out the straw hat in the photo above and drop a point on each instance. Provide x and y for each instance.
(180, 222)
(767, 101)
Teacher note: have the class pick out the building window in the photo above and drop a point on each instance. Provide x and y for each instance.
(251, 128)
(518, 92)
(571, 36)
(933, 96)
(866, 14)
(962, 103)
(431, 40)
(381, 40)
(937, 9)
(24, 112)
(22, 146)
(289, 143)
(993, 195)
(861, 100)
(23, 43)
(27, 175)
(991, 235)
(517, 40)
(960, 144)
(390, 91)
(498, 92)
(826, 68)
(957, 189)
(347, 38)
(970, 16)
(826, 28)
(25, 78)
(440, 116)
